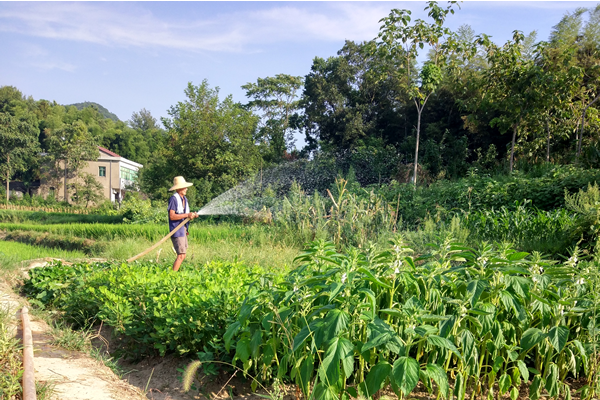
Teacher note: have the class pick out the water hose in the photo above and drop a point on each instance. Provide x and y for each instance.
(161, 241)
(28, 369)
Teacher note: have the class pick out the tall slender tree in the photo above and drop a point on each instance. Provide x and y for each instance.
(506, 86)
(400, 39)
(19, 144)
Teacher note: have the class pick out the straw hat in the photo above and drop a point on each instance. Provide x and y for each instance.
(180, 183)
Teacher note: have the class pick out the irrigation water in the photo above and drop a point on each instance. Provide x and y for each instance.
(261, 189)
(317, 174)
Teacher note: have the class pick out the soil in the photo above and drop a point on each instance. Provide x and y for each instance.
(161, 377)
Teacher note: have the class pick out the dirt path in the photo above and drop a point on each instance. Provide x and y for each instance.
(72, 375)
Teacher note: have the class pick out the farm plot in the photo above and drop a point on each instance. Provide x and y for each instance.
(461, 322)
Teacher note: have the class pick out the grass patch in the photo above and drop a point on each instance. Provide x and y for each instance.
(70, 243)
(153, 232)
(13, 253)
(266, 254)
(42, 217)
(69, 339)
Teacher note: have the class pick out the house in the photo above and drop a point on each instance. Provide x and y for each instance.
(115, 173)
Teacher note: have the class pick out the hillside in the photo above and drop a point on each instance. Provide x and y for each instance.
(102, 110)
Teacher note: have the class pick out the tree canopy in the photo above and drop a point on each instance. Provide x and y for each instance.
(473, 104)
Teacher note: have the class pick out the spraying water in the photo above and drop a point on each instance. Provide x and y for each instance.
(313, 175)
(252, 194)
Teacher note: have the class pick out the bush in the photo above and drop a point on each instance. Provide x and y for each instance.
(137, 210)
(586, 204)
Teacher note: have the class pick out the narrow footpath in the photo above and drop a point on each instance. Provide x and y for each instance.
(72, 375)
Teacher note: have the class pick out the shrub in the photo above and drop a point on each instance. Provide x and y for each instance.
(586, 203)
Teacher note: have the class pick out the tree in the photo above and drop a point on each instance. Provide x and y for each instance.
(86, 190)
(143, 121)
(556, 82)
(277, 98)
(507, 86)
(345, 103)
(210, 142)
(19, 144)
(69, 148)
(399, 39)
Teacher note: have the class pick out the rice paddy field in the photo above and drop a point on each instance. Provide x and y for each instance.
(32, 237)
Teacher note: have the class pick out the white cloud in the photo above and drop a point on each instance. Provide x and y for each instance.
(131, 25)
(48, 65)
(136, 25)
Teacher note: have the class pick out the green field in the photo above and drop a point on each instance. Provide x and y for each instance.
(481, 302)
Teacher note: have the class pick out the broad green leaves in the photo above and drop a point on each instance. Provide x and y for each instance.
(339, 349)
(558, 337)
(406, 374)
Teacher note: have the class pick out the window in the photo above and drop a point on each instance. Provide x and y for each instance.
(128, 174)
(101, 171)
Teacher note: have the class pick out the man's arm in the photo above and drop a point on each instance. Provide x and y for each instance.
(177, 217)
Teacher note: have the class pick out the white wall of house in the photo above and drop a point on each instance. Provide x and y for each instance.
(113, 173)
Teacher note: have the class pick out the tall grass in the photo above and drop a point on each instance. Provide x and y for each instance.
(345, 217)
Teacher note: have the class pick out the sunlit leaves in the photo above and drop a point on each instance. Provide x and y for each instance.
(558, 337)
(406, 374)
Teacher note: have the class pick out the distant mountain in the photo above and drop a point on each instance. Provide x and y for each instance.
(101, 109)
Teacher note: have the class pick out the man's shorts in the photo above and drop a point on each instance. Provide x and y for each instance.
(180, 244)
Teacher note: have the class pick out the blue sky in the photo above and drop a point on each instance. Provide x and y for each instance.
(133, 55)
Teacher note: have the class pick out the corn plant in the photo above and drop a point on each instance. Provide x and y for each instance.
(342, 325)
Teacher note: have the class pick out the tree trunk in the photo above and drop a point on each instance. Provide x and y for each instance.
(512, 146)
(580, 138)
(419, 112)
(548, 142)
(65, 186)
(7, 176)
(417, 145)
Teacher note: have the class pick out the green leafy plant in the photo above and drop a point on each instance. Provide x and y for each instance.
(342, 325)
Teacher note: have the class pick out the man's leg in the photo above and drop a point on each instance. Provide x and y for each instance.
(178, 261)
(180, 245)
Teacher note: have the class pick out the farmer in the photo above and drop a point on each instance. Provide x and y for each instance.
(179, 209)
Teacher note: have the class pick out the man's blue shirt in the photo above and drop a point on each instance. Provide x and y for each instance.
(173, 224)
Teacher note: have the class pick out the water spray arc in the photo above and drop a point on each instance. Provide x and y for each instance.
(256, 193)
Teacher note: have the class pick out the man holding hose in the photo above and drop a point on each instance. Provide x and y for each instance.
(179, 209)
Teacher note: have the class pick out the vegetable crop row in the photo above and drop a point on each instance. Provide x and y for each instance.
(156, 309)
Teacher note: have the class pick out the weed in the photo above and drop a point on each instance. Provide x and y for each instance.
(69, 339)
(11, 368)
(44, 390)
